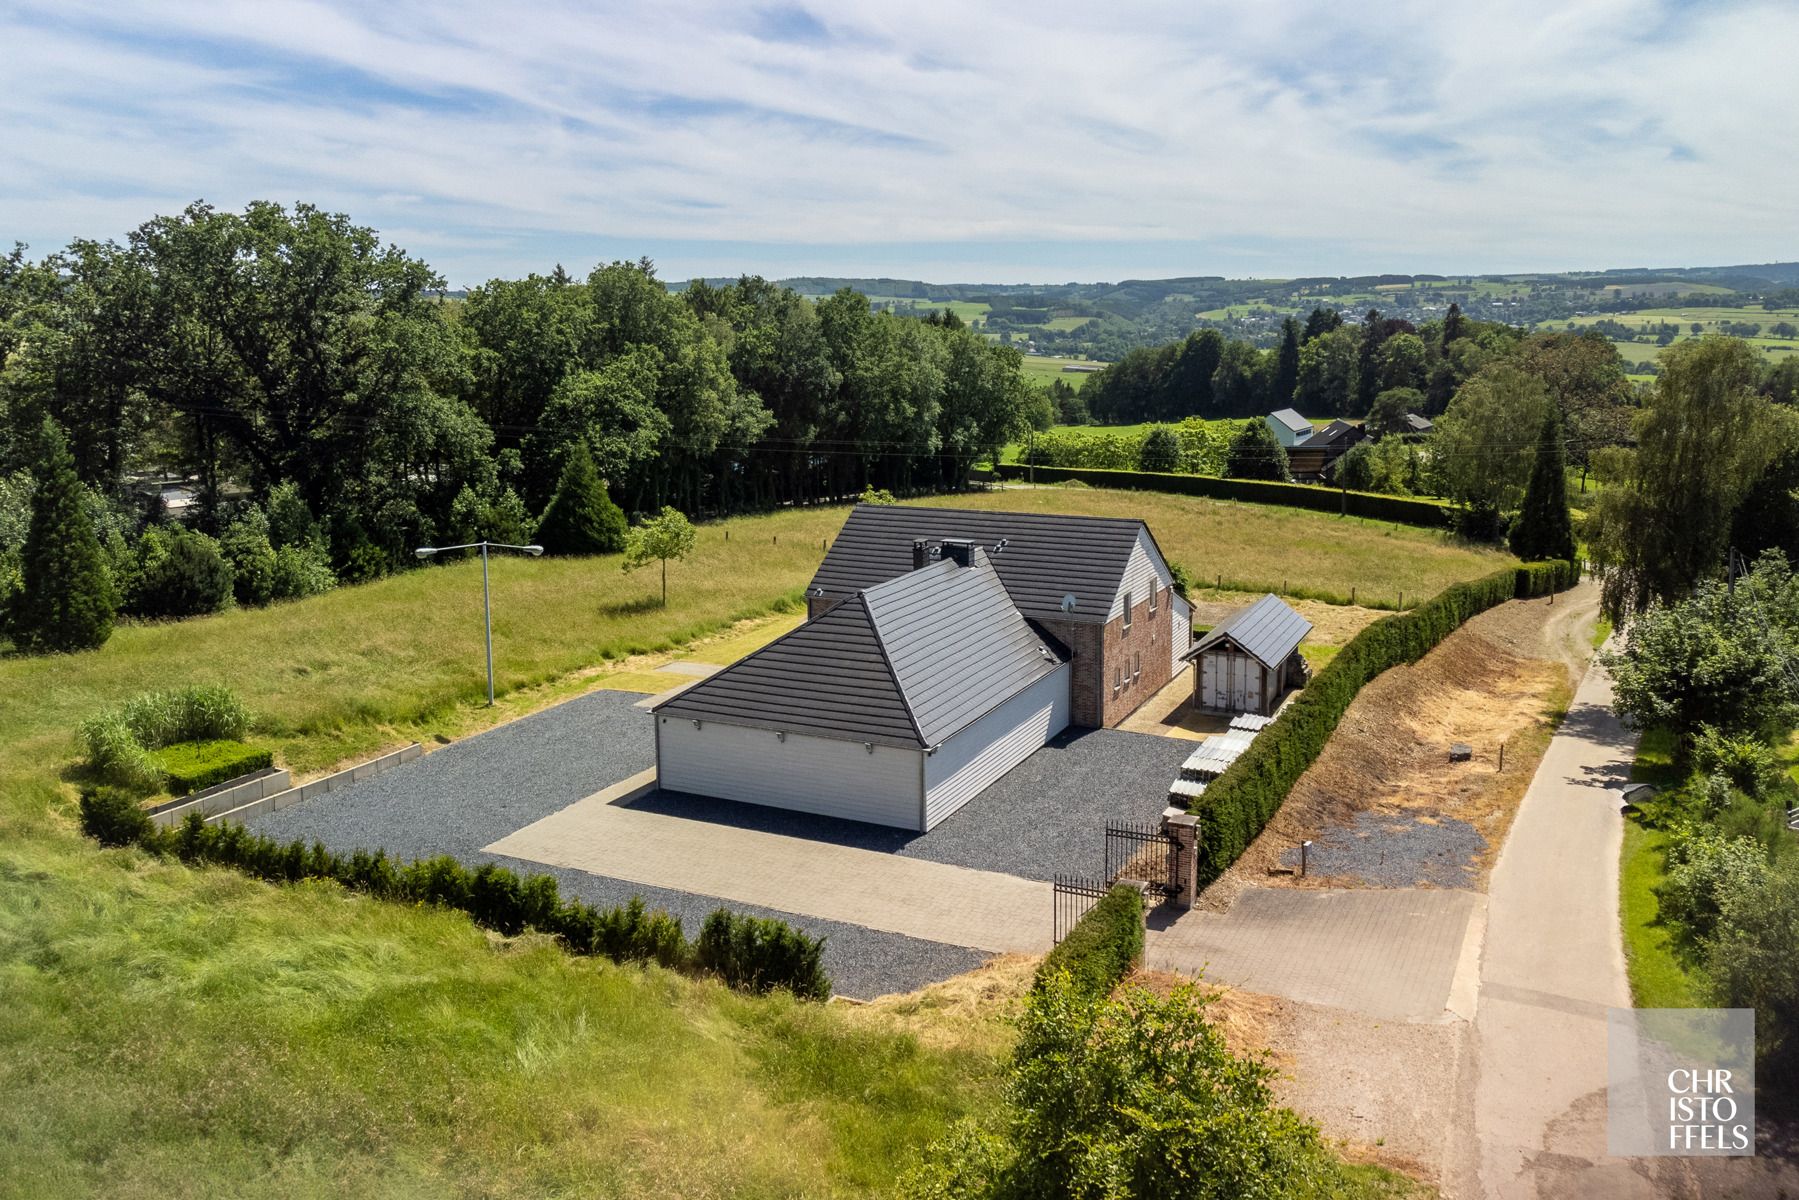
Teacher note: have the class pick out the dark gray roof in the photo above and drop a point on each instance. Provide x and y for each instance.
(908, 662)
(1047, 555)
(1291, 420)
(1331, 434)
(1267, 630)
(1418, 424)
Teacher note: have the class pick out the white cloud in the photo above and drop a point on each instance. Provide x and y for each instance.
(953, 140)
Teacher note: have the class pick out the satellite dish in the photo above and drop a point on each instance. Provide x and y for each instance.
(1068, 603)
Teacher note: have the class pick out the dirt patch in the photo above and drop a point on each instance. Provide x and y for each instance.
(1502, 679)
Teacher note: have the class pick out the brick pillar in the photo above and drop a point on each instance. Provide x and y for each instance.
(1183, 827)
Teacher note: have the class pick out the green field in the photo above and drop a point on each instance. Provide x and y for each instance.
(1041, 369)
(1650, 320)
(174, 1032)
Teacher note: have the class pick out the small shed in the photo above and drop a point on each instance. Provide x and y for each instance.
(1250, 660)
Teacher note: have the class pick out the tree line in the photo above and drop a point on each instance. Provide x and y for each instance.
(293, 366)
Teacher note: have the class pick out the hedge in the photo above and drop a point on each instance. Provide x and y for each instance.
(747, 952)
(190, 766)
(120, 741)
(1406, 510)
(1237, 806)
(1102, 947)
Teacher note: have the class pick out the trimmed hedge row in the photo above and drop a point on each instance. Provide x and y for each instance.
(1406, 510)
(1246, 796)
(1102, 947)
(120, 741)
(190, 766)
(746, 952)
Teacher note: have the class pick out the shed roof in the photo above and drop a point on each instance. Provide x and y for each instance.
(908, 663)
(1268, 630)
(1291, 420)
(1047, 555)
(1418, 424)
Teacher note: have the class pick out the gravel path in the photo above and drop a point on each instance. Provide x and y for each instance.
(1046, 817)
(1395, 850)
(474, 792)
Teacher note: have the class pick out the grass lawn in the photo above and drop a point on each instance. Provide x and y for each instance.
(174, 1032)
(1042, 370)
(1658, 977)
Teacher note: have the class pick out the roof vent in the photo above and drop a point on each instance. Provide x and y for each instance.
(1068, 602)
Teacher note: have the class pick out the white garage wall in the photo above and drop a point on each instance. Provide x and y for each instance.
(810, 774)
(995, 744)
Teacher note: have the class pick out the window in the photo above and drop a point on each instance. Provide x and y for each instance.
(1153, 594)
(1117, 678)
(1127, 612)
(1136, 667)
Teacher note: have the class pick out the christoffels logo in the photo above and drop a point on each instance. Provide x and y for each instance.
(1682, 1081)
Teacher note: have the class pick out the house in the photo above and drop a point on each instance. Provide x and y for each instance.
(942, 647)
(1417, 426)
(1289, 427)
(1312, 459)
(1250, 660)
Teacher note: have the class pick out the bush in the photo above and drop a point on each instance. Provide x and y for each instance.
(1161, 451)
(301, 571)
(752, 953)
(1403, 510)
(1130, 1097)
(119, 741)
(1749, 764)
(760, 955)
(113, 817)
(192, 766)
(1750, 964)
(581, 518)
(180, 574)
(1704, 870)
(1240, 803)
(1255, 453)
(1102, 947)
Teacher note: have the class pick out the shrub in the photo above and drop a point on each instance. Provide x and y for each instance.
(245, 545)
(1749, 764)
(752, 953)
(581, 518)
(191, 766)
(1161, 451)
(180, 574)
(113, 817)
(115, 755)
(1703, 871)
(119, 741)
(1102, 947)
(1255, 453)
(1240, 803)
(299, 572)
(760, 955)
(1127, 1097)
(1750, 964)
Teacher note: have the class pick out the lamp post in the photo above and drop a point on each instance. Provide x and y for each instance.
(486, 594)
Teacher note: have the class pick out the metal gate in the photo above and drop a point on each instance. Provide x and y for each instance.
(1074, 896)
(1144, 854)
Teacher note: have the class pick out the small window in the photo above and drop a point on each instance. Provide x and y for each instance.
(1127, 612)
(1153, 594)
(1136, 667)
(1118, 679)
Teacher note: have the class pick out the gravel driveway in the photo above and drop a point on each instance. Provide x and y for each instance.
(475, 791)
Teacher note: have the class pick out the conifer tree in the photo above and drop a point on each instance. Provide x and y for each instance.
(581, 518)
(1543, 529)
(67, 600)
(1286, 365)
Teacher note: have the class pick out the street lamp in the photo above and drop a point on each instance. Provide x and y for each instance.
(486, 595)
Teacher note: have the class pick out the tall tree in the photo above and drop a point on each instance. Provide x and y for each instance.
(1286, 365)
(67, 600)
(1326, 374)
(1480, 459)
(1703, 438)
(581, 518)
(1454, 324)
(1544, 529)
(1255, 453)
(1320, 322)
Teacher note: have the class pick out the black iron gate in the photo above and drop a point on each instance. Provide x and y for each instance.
(1074, 896)
(1144, 854)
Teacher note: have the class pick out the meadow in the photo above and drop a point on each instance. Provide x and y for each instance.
(1650, 320)
(1043, 369)
(180, 1031)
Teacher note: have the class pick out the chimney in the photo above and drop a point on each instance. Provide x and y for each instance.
(921, 553)
(959, 549)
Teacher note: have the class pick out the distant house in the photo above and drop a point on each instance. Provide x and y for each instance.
(1289, 427)
(942, 648)
(1251, 659)
(1311, 460)
(1418, 426)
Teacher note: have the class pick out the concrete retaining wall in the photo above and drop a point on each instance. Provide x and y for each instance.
(276, 801)
(223, 797)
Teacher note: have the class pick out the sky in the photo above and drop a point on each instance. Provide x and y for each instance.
(955, 142)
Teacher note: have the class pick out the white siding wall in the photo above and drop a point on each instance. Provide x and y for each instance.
(995, 744)
(1230, 682)
(1181, 631)
(810, 774)
(1145, 570)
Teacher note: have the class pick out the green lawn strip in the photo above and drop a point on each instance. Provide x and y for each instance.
(1658, 976)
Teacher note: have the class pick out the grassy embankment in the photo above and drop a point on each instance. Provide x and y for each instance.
(1658, 977)
(174, 1031)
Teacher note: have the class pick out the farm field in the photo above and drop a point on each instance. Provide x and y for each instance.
(1042, 369)
(1635, 353)
(234, 1037)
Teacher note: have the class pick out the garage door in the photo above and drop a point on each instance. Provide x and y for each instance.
(996, 743)
(854, 780)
